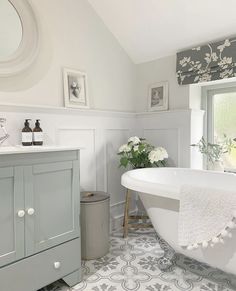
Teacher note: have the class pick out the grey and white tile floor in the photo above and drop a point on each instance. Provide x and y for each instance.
(131, 265)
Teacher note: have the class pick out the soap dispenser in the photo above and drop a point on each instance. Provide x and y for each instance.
(37, 134)
(27, 135)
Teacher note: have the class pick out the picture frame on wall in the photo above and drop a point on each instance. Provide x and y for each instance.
(158, 96)
(75, 89)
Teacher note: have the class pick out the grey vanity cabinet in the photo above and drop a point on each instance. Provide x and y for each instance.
(52, 200)
(11, 227)
(39, 219)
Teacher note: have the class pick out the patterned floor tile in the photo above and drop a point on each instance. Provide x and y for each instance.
(131, 265)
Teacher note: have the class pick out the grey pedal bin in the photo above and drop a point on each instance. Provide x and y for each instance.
(95, 224)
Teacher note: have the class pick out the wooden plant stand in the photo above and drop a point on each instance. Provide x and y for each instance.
(128, 218)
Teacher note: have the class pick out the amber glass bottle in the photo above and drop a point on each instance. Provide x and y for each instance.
(27, 137)
(37, 134)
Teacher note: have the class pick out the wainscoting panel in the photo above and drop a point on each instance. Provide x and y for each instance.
(171, 129)
(165, 138)
(114, 138)
(84, 138)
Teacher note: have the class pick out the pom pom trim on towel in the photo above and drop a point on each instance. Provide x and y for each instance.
(217, 239)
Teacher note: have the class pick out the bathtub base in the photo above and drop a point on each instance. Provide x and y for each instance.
(167, 260)
(164, 217)
(159, 190)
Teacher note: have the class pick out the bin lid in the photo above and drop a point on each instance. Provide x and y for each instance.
(93, 196)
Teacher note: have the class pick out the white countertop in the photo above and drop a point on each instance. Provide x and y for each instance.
(19, 149)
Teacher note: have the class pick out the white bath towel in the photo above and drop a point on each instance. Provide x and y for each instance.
(206, 216)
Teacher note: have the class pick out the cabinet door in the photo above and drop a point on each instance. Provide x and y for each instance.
(52, 201)
(11, 225)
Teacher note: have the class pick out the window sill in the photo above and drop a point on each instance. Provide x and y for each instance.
(228, 170)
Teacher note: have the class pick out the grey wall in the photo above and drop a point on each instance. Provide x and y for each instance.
(82, 41)
(157, 71)
(72, 35)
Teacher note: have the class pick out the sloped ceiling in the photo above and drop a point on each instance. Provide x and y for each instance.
(151, 29)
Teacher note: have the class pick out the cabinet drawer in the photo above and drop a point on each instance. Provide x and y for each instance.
(39, 270)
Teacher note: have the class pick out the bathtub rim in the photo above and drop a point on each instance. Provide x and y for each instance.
(158, 189)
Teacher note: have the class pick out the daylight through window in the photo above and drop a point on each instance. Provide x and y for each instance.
(224, 122)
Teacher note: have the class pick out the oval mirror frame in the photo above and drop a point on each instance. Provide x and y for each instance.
(27, 51)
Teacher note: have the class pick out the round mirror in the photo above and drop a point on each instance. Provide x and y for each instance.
(19, 37)
(10, 29)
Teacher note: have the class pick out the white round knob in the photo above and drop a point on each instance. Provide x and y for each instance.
(30, 211)
(21, 213)
(57, 265)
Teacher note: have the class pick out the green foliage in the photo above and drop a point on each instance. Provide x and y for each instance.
(214, 151)
(135, 154)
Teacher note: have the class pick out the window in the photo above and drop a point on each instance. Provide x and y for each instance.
(221, 119)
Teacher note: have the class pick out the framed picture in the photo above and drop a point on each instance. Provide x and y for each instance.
(75, 89)
(158, 96)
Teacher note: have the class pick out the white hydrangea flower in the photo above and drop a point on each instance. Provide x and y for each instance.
(158, 154)
(134, 140)
(135, 148)
(164, 153)
(125, 148)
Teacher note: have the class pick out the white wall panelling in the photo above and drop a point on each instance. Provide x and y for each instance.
(100, 133)
(113, 138)
(197, 129)
(164, 137)
(86, 139)
(171, 129)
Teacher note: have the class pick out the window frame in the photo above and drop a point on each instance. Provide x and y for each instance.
(208, 93)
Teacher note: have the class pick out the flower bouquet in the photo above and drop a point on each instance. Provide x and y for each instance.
(138, 153)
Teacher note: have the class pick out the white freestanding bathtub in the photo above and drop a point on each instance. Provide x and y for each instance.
(159, 190)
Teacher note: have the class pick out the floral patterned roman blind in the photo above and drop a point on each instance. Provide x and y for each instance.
(209, 62)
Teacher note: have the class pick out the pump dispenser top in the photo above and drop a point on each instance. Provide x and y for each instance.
(27, 123)
(27, 137)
